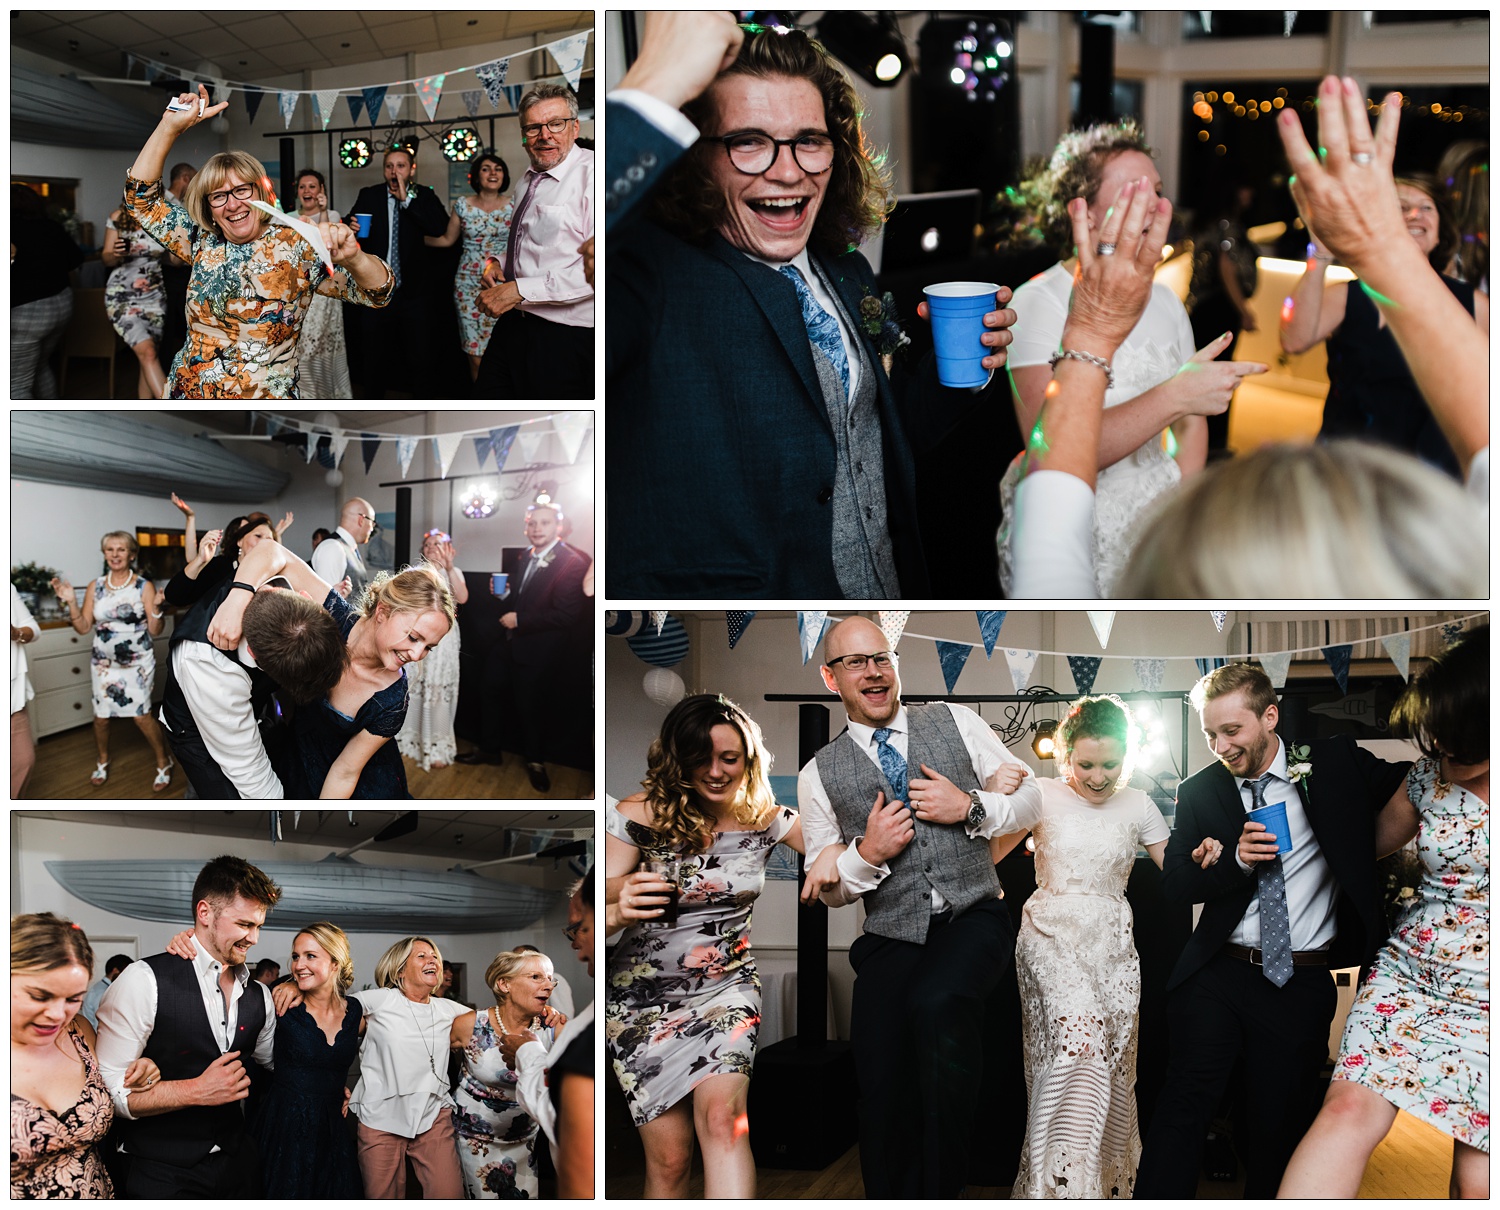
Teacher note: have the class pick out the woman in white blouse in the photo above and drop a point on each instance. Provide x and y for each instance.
(23, 630)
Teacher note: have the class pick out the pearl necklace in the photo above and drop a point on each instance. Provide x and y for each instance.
(109, 581)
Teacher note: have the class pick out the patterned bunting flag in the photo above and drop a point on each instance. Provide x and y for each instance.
(447, 445)
(1338, 659)
(254, 95)
(570, 428)
(500, 443)
(482, 448)
(288, 103)
(1398, 647)
(1277, 665)
(990, 621)
(323, 102)
(1085, 669)
(1207, 664)
(1149, 672)
(1103, 621)
(811, 623)
(659, 619)
(513, 95)
(569, 55)
(1021, 664)
(374, 98)
(1218, 615)
(527, 442)
(892, 624)
(369, 446)
(471, 101)
(405, 448)
(492, 76)
(393, 103)
(356, 106)
(430, 91)
(737, 621)
(1452, 632)
(952, 656)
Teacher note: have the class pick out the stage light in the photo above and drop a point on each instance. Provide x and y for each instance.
(354, 153)
(1045, 743)
(982, 59)
(872, 46)
(478, 501)
(460, 145)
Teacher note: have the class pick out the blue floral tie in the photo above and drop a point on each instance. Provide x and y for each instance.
(892, 764)
(822, 328)
(1275, 924)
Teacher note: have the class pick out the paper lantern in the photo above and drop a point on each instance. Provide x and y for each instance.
(664, 687)
(622, 623)
(665, 649)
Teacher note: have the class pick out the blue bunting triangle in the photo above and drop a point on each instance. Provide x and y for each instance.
(1085, 669)
(1207, 664)
(1338, 660)
(737, 620)
(500, 443)
(482, 448)
(374, 98)
(356, 106)
(990, 621)
(369, 446)
(952, 656)
(253, 97)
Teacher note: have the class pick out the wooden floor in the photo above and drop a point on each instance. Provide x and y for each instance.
(64, 762)
(1413, 1162)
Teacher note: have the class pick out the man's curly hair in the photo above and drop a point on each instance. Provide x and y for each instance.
(859, 193)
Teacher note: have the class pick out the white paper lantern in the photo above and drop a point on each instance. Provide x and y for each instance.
(334, 478)
(664, 687)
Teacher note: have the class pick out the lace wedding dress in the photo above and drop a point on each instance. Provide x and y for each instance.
(432, 683)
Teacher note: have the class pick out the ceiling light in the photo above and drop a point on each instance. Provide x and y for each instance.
(872, 46)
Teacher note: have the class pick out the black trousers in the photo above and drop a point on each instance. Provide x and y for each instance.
(533, 358)
(918, 1034)
(519, 689)
(232, 1174)
(208, 780)
(1229, 1009)
(390, 347)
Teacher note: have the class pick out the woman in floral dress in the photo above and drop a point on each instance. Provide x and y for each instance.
(322, 355)
(484, 224)
(133, 295)
(1417, 1038)
(427, 735)
(253, 280)
(684, 999)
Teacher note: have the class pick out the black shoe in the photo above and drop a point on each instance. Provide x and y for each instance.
(540, 782)
(480, 758)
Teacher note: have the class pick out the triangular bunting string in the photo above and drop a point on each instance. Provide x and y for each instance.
(323, 102)
(492, 76)
(893, 624)
(288, 103)
(513, 95)
(430, 91)
(1103, 621)
(482, 448)
(1020, 664)
(952, 656)
(528, 441)
(1277, 665)
(570, 428)
(1338, 660)
(369, 446)
(500, 443)
(471, 98)
(405, 448)
(1149, 672)
(447, 445)
(393, 103)
(737, 620)
(990, 621)
(810, 626)
(356, 106)
(374, 98)
(659, 619)
(1398, 647)
(569, 55)
(253, 97)
(1218, 615)
(340, 444)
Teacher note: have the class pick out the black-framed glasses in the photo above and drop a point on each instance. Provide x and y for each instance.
(754, 151)
(555, 126)
(856, 663)
(570, 931)
(219, 199)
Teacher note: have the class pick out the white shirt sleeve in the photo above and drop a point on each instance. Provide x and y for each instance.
(127, 1015)
(1478, 483)
(328, 561)
(1004, 813)
(1052, 548)
(820, 828)
(217, 691)
(265, 1041)
(531, 1079)
(1041, 316)
(671, 122)
(1153, 824)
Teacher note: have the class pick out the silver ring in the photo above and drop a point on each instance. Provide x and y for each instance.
(1104, 250)
(1362, 158)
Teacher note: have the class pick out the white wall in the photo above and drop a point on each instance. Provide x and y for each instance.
(33, 889)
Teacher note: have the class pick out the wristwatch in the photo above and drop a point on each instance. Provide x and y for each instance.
(977, 813)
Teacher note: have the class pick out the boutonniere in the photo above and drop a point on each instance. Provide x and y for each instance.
(546, 559)
(877, 316)
(1298, 764)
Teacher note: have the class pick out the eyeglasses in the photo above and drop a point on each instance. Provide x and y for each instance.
(221, 199)
(556, 126)
(754, 152)
(856, 663)
(570, 931)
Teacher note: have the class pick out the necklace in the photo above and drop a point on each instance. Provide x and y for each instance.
(109, 580)
(500, 1021)
(431, 1020)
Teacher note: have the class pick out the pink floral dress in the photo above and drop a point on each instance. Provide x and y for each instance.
(1418, 1033)
(684, 999)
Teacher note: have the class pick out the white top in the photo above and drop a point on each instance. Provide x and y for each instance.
(1004, 813)
(1128, 803)
(21, 691)
(403, 1061)
(127, 1018)
(533, 1065)
(217, 691)
(1311, 891)
(332, 557)
(1052, 537)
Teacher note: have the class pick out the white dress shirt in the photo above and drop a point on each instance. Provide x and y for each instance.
(217, 691)
(403, 1061)
(548, 266)
(127, 1017)
(1004, 813)
(528, 566)
(332, 557)
(533, 1064)
(1311, 892)
(21, 691)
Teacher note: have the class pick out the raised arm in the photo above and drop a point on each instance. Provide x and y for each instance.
(81, 620)
(1317, 308)
(190, 523)
(266, 560)
(169, 128)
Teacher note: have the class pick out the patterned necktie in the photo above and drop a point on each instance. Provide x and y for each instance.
(892, 764)
(393, 213)
(1275, 924)
(822, 328)
(515, 226)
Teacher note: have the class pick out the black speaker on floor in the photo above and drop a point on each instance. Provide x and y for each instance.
(802, 1105)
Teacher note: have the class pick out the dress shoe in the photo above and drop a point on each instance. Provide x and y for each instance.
(540, 782)
(480, 758)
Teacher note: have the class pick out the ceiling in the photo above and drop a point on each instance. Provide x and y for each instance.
(239, 422)
(249, 45)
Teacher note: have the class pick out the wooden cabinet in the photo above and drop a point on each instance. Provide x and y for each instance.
(58, 664)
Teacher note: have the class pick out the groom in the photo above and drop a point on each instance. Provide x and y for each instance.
(1254, 980)
(936, 936)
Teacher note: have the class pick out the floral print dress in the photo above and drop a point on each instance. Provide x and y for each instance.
(496, 1136)
(57, 1155)
(246, 302)
(684, 999)
(133, 295)
(1418, 1033)
(123, 665)
(484, 234)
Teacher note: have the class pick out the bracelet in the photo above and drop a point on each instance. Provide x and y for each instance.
(239, 584)
(1086, 358)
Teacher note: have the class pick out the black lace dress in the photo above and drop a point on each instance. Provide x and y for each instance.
(306, 1146)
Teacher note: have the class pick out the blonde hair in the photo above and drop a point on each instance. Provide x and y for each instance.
(1347, 518)
(507, 964)
(40, 941)
(411, 590)
(211, 177)
(131, 544)
(388, 969)
(335, 943)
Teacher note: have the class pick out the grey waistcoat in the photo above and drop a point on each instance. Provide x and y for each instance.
(941, 856)
(863, 559)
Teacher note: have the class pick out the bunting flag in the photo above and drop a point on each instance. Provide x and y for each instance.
(528, 443)
(952, 656)
(1338, 659)
(892, 624)
(1452, 632)
(1398, 647)
(253, 97)
(393, 104)
(737, 620)
(323, 102)
(1207, 664)
(273, 426)
(500, 443)
(513, 95)
(492, 76)
(1021, 664)
(1150, 672)
(369, 446)
(811, 623)
(310, 447)
(356, 106)
(405, 448)
(374, 98)
(430, 91)
(1103, 621)
(340, 444)
(1218, 615)
(447, 445)
(569, 55)
(570, 428)
(482, 448)
(658, 619)
(1277, 666)
(1085, 669)
(990, 621)
(471, 101)
(288, 103)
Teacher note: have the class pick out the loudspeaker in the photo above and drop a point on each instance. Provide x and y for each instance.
(803, 1105)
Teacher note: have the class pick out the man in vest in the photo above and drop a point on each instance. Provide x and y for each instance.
(207, 1025)
(333, 560)
(901, 787)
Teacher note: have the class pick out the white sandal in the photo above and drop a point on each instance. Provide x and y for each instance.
(100, 774)
(163, 777)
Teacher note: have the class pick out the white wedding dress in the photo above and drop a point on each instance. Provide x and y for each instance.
(1080, 990)
(432, 684)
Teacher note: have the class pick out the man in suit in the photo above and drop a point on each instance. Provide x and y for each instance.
(1253, 981)
(936, 936)
(747, 354)
(342, 559)
(208, 1026)
(543, 601)
(389, 346)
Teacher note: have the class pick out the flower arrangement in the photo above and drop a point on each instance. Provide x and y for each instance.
(1298, 763)
(877, 316)
(31, 577)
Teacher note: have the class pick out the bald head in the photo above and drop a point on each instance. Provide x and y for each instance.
(871, 695)
(358, 518)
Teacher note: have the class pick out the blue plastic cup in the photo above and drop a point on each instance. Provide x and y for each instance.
(1273, 815)
(497, 583)
(956, 310)
(361, 225)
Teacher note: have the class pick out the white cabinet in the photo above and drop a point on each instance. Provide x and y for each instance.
(58, 664)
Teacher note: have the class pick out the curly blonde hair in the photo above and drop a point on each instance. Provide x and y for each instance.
(686, 745)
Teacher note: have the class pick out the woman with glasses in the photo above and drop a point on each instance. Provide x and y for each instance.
(684, 998)
(427, 735)
(253, 280)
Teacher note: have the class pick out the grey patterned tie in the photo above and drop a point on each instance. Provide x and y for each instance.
(1275, 924)
(892, 764)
